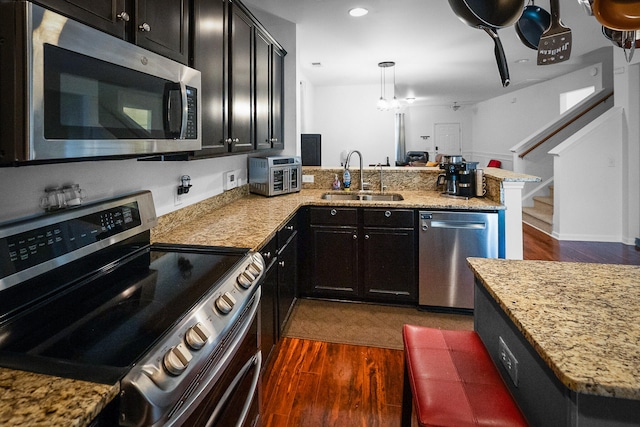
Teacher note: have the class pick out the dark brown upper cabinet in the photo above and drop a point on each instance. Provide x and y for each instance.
(162, 26)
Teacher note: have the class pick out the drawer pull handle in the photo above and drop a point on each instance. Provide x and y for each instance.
(267, 255)
(281, 263)
(289, 227)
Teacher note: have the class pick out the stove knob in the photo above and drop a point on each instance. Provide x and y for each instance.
(257, 258)
(196, 336)
(225, 303)
(177, 359)
(255, 269)
(245, 279)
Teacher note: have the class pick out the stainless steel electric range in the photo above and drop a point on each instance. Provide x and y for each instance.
(84, 295)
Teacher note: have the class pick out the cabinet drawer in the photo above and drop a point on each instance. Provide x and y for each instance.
(388, 218)
(333, 216)
(287, 231)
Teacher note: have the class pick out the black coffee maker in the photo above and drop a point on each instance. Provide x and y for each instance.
(459, 177)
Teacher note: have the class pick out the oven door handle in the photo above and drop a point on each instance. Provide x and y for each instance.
(256, 360)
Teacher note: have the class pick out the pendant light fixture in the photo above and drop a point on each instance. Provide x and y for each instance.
(383, 104)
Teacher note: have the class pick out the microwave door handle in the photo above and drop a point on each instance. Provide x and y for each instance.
(185, 110)
(177, 110)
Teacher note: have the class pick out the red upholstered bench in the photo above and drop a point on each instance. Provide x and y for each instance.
(452, 381)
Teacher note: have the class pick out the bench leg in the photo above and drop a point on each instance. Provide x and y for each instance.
(407, 398)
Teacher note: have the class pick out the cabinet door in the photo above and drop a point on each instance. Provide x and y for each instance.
(209, 57)
(109, 16)
(287, 280)
(262, 105)
(335, 261)
(389, 264)
(269, 302)
(240, 80)
(162, 26)
(277, 98)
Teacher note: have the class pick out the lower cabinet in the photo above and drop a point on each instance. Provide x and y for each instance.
(362, 254)
(279, 286)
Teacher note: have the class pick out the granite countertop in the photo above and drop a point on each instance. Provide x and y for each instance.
(28, 399)
(582, 319)
(251, 221)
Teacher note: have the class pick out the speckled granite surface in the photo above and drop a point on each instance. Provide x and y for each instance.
(252, 220)
(28, 399)
(582, 319)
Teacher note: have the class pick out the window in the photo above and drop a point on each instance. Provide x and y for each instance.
(569, 99)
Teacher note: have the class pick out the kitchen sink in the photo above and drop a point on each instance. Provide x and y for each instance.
(388, 197)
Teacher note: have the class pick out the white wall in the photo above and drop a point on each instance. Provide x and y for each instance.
(23, 186)
(504, 121)
(347, 119)
(588, 190)
(421, 121)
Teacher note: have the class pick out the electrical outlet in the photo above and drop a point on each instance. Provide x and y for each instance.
(177, 198)
(308, 178)
(508, 360)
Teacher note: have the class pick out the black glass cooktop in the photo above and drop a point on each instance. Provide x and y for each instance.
(98, 327)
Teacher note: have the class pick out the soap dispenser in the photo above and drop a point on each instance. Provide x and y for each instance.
(336, 183)
(346, 180)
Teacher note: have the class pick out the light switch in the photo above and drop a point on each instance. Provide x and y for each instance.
(230, 179)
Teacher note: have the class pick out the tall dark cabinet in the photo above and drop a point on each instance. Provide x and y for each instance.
(242, 106)
(269, 88)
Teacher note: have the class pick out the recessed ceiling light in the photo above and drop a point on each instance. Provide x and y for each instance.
(358, 11)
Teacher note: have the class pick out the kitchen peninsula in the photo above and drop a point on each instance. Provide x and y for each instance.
(574, 330)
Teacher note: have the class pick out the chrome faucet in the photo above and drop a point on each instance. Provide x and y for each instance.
(346, 166)
(382, 186)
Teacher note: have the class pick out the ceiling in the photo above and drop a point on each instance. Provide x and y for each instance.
(439, 59)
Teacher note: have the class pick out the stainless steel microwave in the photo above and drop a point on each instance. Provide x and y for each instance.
(76, 92)
(274, 175)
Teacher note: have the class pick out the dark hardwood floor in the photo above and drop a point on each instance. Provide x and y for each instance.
(313, 383)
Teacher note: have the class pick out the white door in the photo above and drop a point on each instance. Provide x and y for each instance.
(447, 138)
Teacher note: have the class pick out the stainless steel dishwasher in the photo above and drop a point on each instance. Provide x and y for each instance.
(446, 240)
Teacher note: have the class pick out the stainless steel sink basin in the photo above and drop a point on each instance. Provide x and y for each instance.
(388, 197)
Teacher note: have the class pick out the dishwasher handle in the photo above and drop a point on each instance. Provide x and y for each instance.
(467, 225)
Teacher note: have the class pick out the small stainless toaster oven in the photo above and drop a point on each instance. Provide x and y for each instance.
(275, 175)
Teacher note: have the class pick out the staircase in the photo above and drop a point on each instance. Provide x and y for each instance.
(540, 215)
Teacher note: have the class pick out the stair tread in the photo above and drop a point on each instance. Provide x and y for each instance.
(542, 216)
(547, 200)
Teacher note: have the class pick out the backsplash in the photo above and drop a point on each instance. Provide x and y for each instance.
(394, 179)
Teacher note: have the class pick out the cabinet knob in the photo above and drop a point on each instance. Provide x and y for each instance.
(123, 16)
(274, 139)
(228, 141)
(144, 27)
(289, 227)
(236, 140)
(266, 255)
(366, 237)
(355, 236)
(387, 214)
(281, 263)
(334, 212)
